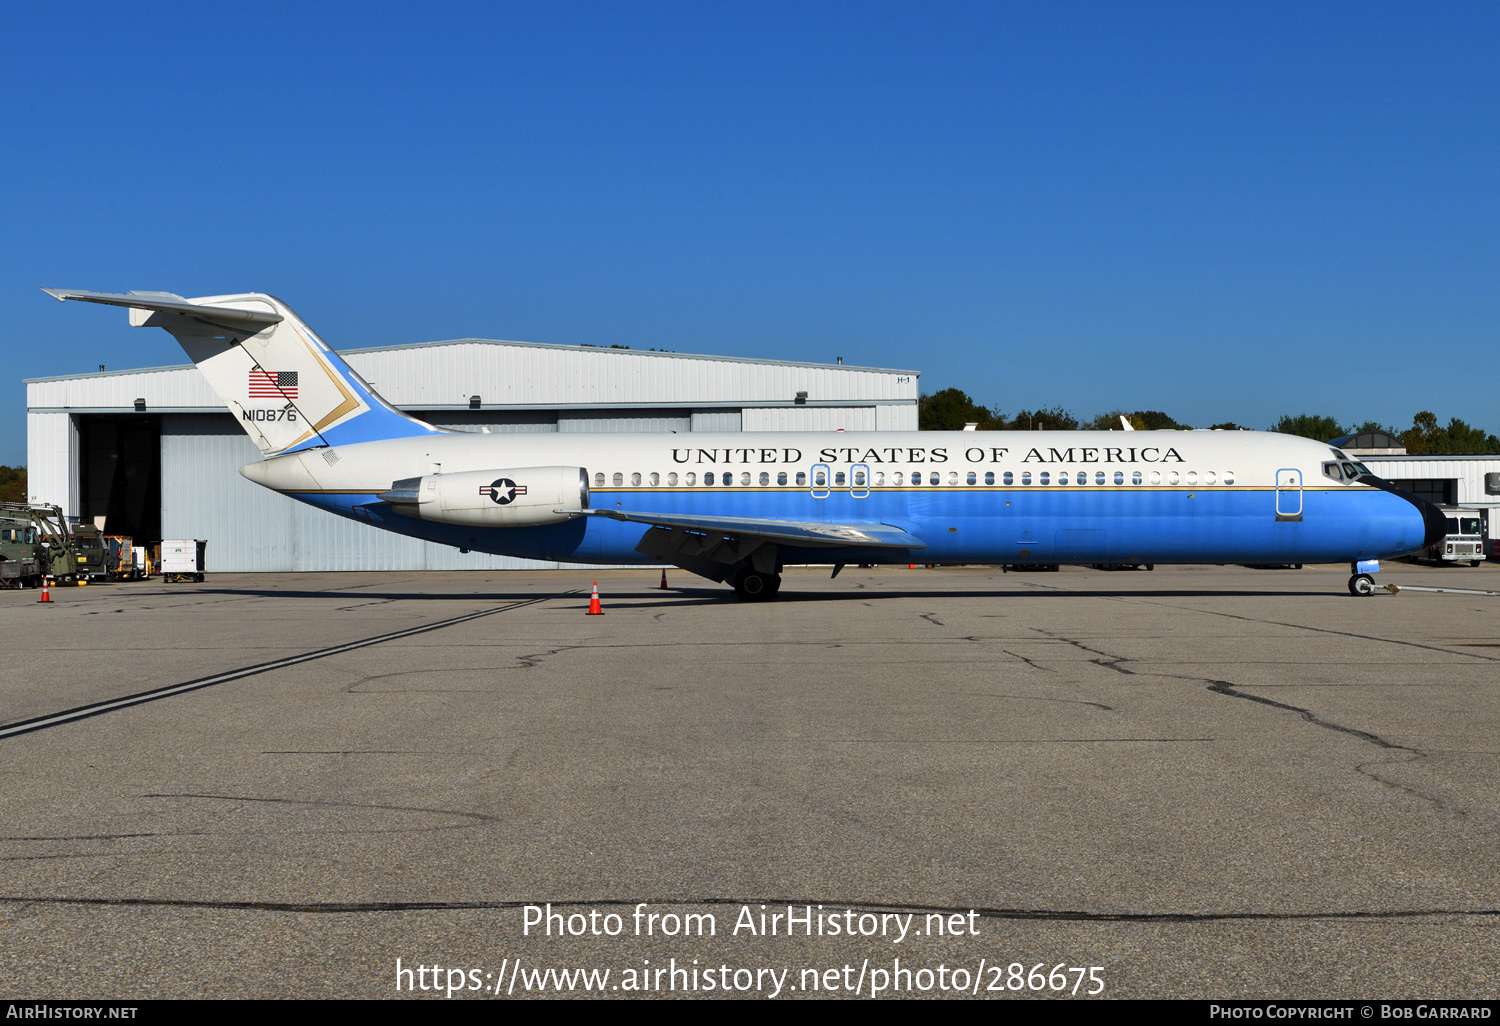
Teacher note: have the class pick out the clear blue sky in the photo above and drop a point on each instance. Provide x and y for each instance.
(1223, 212)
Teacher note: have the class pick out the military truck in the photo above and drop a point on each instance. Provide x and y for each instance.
(90, 556)
(20, 566)
(67, 551)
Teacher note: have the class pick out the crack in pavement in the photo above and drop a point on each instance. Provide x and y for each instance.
(1327, 630)
(1224, 687)
(1106, 660)
(1364, 769)
(361, 751)
(527, 661)
(1029, 662)
(1231, 690)
(473, 817)
(1077, 915)
(1275, 623)
(1031, 698)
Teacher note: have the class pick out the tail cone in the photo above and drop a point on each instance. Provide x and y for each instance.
(594, 609)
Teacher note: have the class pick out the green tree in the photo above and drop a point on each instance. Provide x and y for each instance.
(1141, 420)
(950, 410)
(1371, 425)
(1110, 421)
(1228, 425)
(12, 484)
(1154, 420)
(1427, 437)
(1054, 419)
(1309, 426)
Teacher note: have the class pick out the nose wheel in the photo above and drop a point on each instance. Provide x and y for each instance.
(1361, 584)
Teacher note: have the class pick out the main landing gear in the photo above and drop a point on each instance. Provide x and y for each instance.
(1361, 584)
(753, 586)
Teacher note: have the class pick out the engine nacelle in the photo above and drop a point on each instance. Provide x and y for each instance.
(522, 497)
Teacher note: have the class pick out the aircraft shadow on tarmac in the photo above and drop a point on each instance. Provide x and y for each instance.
(677, 596)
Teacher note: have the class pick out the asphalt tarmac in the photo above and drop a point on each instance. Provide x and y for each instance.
(1193, 782)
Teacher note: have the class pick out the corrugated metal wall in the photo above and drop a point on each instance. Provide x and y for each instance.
(810, 418)
(1469, 473)
(161, 387)
(52, 460)
(896, 417)
(499, 422)
(716, 420)
(203, 495)
(448, 374)
(654, 420)
(527, 374)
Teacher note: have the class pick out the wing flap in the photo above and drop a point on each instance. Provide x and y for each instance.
(817, 534)
(224, 316)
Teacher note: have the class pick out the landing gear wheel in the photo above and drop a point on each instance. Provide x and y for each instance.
(1361, 584)
(754, 586)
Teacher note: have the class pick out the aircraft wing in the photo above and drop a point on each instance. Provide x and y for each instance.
(224, 316)
(819, 534)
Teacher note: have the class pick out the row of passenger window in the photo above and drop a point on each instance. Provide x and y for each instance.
(820, 478)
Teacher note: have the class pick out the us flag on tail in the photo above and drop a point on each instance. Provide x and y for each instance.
(272, 384)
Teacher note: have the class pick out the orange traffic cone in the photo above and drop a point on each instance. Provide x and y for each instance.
(664, 579)
(594, 609)
(46, 595)
(912, 566)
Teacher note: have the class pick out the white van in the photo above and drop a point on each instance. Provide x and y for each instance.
(1464, 542)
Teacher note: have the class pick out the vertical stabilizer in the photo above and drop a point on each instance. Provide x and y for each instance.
(287, 389)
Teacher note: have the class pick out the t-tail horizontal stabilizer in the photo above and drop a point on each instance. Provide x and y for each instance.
(166, 302)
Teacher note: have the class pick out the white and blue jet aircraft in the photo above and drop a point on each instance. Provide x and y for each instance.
(739, 507)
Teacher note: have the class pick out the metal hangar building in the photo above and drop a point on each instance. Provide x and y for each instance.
(156, 455)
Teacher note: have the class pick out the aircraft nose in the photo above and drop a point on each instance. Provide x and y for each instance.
(1434, 520)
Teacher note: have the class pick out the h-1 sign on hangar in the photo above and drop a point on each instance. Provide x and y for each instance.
(156, 454)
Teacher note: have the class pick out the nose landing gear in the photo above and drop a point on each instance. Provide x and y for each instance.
(1361, 584)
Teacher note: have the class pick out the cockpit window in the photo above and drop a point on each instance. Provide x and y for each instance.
(1331, 470)
(1349, 471)
(1362, 468)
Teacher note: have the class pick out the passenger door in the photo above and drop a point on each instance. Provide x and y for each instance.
(1288, 494)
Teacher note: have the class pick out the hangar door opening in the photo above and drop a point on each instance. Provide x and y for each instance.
(119, 473)
(1442, 491)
